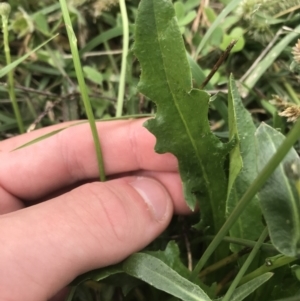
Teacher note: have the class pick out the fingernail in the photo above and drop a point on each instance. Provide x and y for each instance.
(154, 194)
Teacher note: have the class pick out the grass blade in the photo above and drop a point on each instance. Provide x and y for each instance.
(122, 82)
(82, 86)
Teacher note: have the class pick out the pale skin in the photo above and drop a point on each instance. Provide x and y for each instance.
(77, 223)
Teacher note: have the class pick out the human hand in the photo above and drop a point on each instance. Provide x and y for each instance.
(78, 224)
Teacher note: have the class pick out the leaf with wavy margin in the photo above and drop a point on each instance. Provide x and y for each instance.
(181, 125)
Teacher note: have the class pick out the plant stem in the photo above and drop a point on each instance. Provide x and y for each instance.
(295, 298)
(243, 242)
(245, 266)
(11, 90)
(281, 152)
(223, 262)
(292, 92)
(121, 92)
(82, 87)
(279, 261)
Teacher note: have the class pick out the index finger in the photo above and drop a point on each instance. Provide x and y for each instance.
(69, 157)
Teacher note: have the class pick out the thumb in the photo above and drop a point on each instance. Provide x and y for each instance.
(92, 226)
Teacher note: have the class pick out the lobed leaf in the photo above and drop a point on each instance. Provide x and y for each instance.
(181, 125)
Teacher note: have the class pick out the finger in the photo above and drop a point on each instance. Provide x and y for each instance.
(8, 202)
(46, 246)
(172, 182)
(69, 157)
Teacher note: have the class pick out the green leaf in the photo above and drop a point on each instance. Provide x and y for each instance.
(198, 78)
(246, 289)
(171, 257)
(179, 10)
(243, 170)
(234, 107)
(97, 275)
(190, 4)
(216, 37)
(181, 125)
(187, 19)
(229, 22)
(103, 37)
(296, 270)
(93, 75)
(197, 73)
(41, 23)
(210, 14)
(158, 274)
(229, 8)
(279, 197)
(235, 34)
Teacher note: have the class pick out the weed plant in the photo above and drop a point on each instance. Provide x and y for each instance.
(234, 140)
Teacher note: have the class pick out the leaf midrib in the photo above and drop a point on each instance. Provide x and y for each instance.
(152, 272)
(209, 191)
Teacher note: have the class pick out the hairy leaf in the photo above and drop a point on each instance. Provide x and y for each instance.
(171, 257)
(236, 111)
(279, 197)
(243, 169)
(155, 272)
(181, 125)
